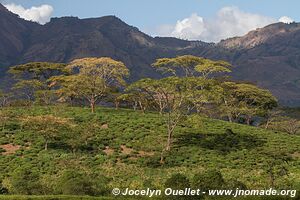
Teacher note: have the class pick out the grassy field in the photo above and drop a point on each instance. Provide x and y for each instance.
(125, 150)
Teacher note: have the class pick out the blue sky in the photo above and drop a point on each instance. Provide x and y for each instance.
(159, 17)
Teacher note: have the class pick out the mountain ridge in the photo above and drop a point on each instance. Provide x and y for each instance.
(269, 57)
(259, 36)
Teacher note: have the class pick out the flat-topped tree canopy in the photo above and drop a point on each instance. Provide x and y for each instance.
(105, 68)
(91, 78)
(189, 65)
(38, 70)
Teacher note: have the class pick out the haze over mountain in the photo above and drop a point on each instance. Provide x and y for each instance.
(269, 57)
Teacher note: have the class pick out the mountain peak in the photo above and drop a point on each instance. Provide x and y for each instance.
(3, 9)
(260, 35)
(111, 17)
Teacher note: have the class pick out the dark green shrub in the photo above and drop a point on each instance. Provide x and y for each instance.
(211, 179)
(148, 183)
(12, 126)
(177, 181)
(234, 184)
(75, 182)
(152, 161)
(25, 180)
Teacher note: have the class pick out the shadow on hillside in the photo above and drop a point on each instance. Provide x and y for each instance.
(223, 143)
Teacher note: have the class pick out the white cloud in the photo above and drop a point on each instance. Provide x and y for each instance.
(228, 22)
(39, 14)
(190, 28)
(286, 20)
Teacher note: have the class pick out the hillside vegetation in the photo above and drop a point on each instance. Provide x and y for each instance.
(121, 148)
(194, 128)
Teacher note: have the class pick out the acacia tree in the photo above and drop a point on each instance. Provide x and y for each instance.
(209, 67)
(247, 100)
(90, 79)
(202, 92)
(28, 88)
(189, 66)
(229, 106)
(234, 99)
(31, 79)
(136, 100)
(171, 98)
(174, 96)
(207, 89)
(140, 99)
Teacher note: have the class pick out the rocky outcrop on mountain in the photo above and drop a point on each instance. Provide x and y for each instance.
(260, 36)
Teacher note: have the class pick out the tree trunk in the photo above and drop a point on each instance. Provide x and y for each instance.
(117, 103)
(229, 118)
(169, 141)
(72, 101)
(162, 159)
(46, 145)
(135, 106)
(267, 124)
(142, 107)
(170, 132)
(160, 111)
(93, 104)
(248, 120)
